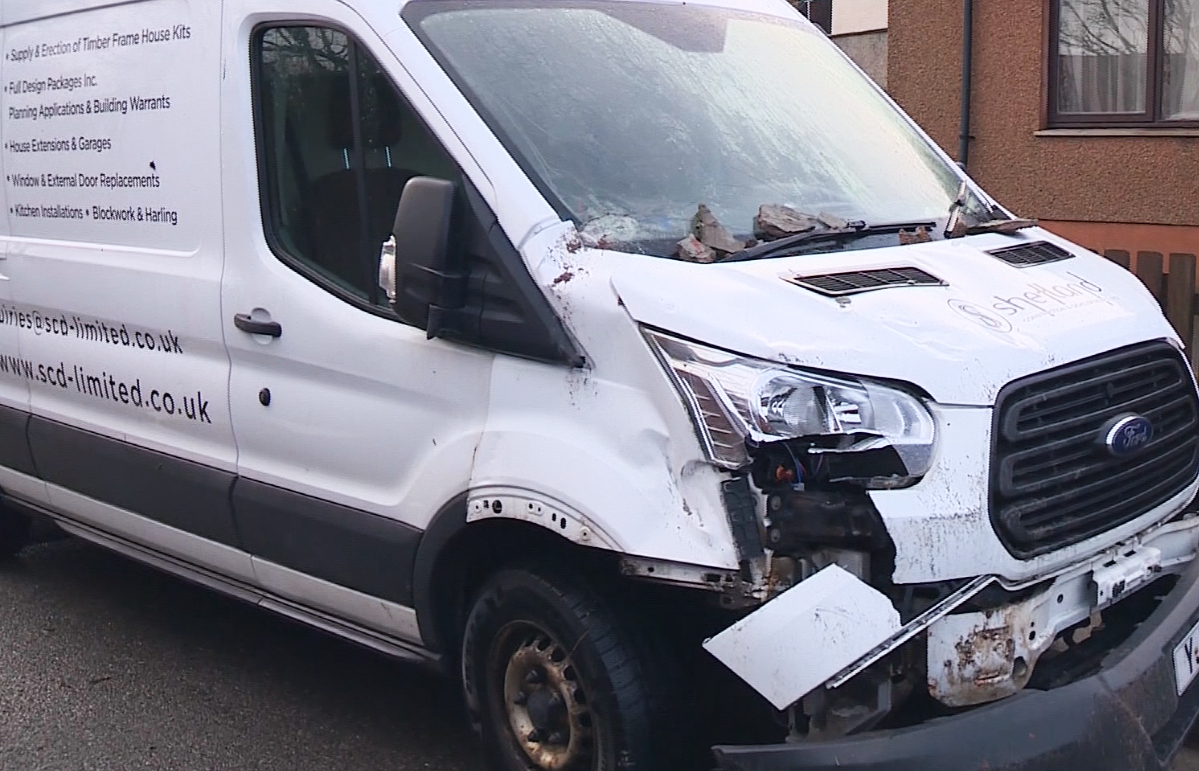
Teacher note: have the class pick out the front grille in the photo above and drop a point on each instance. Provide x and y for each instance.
(1036, 253)
(1053, 483)
(852, 282)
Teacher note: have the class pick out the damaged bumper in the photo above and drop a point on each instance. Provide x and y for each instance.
(1127, 716)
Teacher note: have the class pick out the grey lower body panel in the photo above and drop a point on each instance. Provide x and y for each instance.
(185, 495)
(361, 551)
(388, 645)
(355, 549)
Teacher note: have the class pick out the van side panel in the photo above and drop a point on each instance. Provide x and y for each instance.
(115, 256)
(17, 474)
(24, 11)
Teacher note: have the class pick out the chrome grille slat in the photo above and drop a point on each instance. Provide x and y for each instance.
(1051, 482)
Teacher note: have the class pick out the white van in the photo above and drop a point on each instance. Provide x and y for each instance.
(638, 363)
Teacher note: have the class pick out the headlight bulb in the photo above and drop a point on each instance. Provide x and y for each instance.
(792, 408)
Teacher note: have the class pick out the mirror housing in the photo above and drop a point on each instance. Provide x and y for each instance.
(452, 271)
(423, 271)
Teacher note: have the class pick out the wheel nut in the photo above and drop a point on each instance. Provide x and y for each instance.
(558, 737)
(521, 699)
(534, 736)
(535, 677)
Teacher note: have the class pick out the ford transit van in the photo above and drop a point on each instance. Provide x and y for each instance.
(638, 364)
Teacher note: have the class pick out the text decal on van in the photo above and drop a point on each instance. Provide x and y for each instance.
(102, 385)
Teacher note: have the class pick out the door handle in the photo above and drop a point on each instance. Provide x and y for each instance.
(246, 324)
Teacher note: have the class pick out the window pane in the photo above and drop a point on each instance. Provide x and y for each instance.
(314, 172)
(396, 148)
(1102, 52)
(308, 133)
(1180, 91)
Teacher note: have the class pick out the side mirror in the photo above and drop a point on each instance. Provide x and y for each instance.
(417, 265)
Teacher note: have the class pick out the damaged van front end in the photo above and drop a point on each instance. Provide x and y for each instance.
(875, 672)
(953, 545)
(1081, 670)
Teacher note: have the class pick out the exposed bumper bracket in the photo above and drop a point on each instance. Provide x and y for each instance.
(911, 629)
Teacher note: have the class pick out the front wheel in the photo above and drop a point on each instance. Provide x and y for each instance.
(554, 681)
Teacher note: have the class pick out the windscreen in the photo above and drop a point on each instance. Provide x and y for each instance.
(628, 116)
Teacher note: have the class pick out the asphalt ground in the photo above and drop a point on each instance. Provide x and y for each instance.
(106, 665)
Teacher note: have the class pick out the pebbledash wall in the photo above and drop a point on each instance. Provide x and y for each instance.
(1128, 189)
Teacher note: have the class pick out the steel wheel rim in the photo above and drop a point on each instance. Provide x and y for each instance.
(546, 710)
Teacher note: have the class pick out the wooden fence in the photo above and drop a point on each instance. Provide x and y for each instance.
(1171, 279)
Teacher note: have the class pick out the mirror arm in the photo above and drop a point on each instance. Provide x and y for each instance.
(448, 315)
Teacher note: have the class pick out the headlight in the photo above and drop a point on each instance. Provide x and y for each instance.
(733, 398)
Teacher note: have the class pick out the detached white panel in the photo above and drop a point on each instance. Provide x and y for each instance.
(805, 635)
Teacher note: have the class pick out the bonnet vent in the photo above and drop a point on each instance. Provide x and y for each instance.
(853, 282)
(1036, 253)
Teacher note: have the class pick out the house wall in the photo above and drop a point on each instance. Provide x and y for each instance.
(854, 16)
(869, 51)
(860, 28)
(1077, 182)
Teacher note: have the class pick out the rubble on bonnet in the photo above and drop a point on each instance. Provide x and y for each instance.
(832, 221)
(712, 234)
(992, 226)
(710, 241)
(775, 221)
(691, 249)
(918, 236)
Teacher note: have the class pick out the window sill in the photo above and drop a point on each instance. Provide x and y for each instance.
(1180, 131)
(842, 33)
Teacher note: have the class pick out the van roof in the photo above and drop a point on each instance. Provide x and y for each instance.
(24, 11)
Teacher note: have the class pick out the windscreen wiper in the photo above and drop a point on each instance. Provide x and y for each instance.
(1002, 225)
(848, 232)
(957, 225)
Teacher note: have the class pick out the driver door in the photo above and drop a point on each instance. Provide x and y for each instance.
(352, 428)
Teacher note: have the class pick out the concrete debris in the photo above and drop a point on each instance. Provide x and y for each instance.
(776, 221)
(1002, 226)
(692, 250)
(709, 231)
(918, 236)
(832, 221)
(958, 226)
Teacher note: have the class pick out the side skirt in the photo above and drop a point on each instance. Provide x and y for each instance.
(326, 622)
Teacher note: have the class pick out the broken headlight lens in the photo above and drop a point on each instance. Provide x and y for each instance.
(734, 398)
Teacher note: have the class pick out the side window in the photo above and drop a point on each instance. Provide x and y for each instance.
(336, 145)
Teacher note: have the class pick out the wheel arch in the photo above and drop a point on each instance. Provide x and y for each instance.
(455, 556)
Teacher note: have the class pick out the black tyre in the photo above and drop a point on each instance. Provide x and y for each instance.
(554, 681)
(14, 532)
